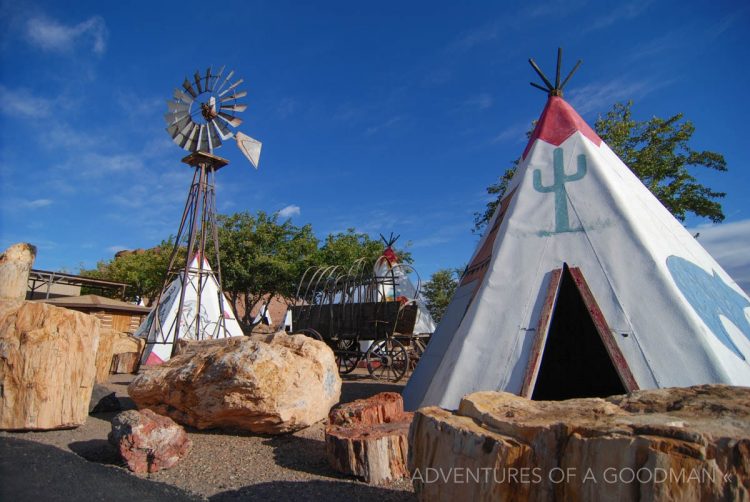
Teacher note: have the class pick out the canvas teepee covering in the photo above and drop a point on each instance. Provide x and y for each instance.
(391, 272)
(584, 284)
(159, 343)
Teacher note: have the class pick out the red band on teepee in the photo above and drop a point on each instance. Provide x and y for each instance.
(153, 360)
(390, 255)
(558, 122)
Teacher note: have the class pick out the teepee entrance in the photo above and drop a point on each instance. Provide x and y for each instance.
(574, 354)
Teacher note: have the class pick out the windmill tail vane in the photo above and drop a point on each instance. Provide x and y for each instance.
(203, 114)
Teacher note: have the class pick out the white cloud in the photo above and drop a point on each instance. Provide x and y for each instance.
(515, 133)
(481, 101)
(385, 125)
(476, 36)
(729, 244)
(286, 107)
(289, 211)
(599, 96)
(116, 248)
(51, 35)
(625, 11)
(37, 203)
(20, 102)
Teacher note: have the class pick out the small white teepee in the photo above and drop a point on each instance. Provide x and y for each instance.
(584, 284)
(391, 271)
(263, 316)
(216, 321)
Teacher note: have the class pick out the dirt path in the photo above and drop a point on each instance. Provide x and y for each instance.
(229, 465)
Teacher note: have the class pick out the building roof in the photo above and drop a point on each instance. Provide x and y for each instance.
(96, 301)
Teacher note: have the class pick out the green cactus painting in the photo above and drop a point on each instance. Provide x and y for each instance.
(562, 222)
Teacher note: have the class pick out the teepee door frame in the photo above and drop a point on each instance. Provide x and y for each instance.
(597, 317)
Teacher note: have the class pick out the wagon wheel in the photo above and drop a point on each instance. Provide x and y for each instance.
(416, 349)
(347, 355)
(387, 360)
(310, 332)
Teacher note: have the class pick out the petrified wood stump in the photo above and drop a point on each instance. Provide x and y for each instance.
(15, 264)
(47, 365)
(368, 438)
(127, 362)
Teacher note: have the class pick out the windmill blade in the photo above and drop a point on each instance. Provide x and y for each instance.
(175, 128)
(217, 77)
(222, 129)
(234, 108)
(189, 88)
(176, 106)
(184, 139)
(203, 145)
(192, 142)
(236, 95)
(172, 118)
(228, 77)
(208, 79)
(232, 120)
(214, 140)
(181, 96)
(231, 87)
(249, 147)
(197, 77)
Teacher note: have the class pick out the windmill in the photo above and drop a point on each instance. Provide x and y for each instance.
(200, 117)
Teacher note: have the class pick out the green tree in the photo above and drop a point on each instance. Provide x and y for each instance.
(344, 248)
(144, 270)
(658, 152)
(261, 256)
(439, 290)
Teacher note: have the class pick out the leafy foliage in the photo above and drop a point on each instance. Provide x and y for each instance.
(142, 269)
(439, 290)
(658, 152)
(261, 256)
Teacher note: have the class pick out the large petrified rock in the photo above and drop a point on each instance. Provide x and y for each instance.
(126, 352)
(118, 353)
(667, 444)
(272, 384)
(148, 442)
(47, 366)
(15, 264)
(104, 355)
(368, 438)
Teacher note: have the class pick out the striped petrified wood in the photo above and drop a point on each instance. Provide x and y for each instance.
(368, 438)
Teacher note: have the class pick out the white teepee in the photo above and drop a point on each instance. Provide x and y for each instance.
(584, 284)
(216, 321)
(395, 284)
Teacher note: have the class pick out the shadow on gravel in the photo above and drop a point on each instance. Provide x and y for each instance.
(33, 471)
(97, 450)
(328, 491)
(302, 454)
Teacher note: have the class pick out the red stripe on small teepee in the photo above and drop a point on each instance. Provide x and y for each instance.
(558, 122)
(153, 360)
(390, 255)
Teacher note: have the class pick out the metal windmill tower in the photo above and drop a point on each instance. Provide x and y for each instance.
(200, 117)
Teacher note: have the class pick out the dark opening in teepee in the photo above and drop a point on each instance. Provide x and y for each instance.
(575, 362)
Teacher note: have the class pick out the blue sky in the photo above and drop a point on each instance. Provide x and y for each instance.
(387, 117)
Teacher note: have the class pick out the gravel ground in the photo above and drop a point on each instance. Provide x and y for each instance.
(228, 465)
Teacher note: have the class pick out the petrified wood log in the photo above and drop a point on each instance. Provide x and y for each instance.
(690, 444)
(15, 264)
(104, 355)
(47, 365)
(368, 438)
(126, 362)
